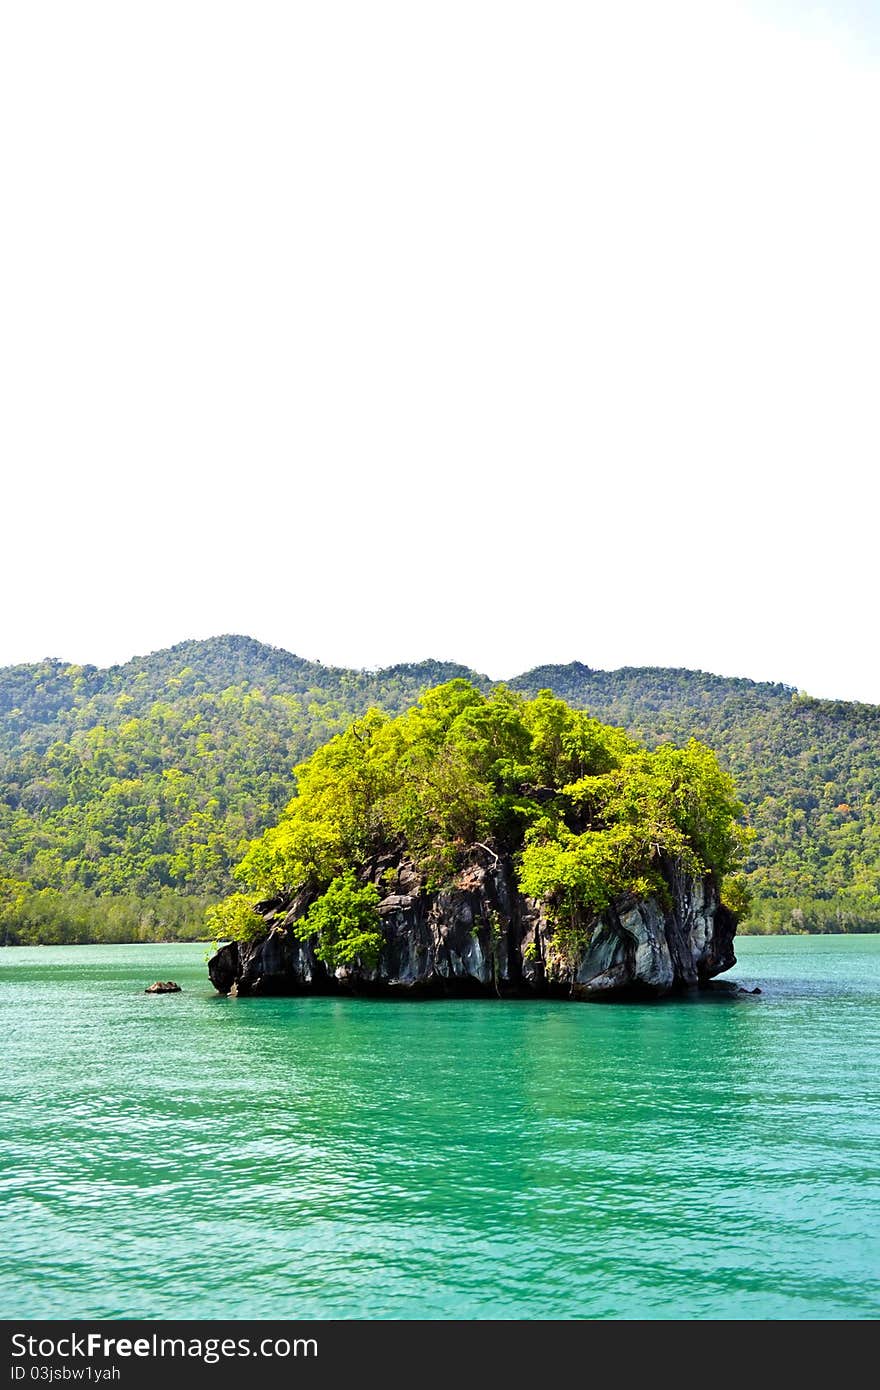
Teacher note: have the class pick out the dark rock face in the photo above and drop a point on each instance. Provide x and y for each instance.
(163, 987)
(481, 936)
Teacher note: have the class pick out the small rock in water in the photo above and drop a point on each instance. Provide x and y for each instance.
(163, 987)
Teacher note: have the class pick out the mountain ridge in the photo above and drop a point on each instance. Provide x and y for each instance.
(272, 660)
(145, 780)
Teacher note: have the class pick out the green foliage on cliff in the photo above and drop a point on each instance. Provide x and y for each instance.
(126, 795)
(345, 923)
(807, 770)
(590, 814)
(674, 803)
(235, 918)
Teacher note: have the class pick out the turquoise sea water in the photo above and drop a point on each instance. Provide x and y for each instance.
(194, 1156)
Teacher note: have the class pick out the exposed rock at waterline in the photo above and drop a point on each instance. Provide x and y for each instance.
(481, 937)
(163, 987)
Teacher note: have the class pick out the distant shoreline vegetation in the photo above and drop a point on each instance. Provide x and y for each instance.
(818, 918)
(127, 795)
(78, 917)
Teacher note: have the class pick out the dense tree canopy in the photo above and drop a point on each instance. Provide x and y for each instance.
(127, 795)
(589, 813)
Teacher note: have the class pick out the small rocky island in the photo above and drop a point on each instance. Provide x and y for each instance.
(489, 846)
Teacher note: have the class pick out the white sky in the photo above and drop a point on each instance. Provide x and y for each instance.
(498, 332)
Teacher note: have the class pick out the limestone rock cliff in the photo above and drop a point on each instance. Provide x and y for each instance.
(481, 936)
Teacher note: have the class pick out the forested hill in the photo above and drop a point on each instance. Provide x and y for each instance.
(126, 793)
(40, 704)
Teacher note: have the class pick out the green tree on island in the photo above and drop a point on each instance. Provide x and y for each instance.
(590, 815)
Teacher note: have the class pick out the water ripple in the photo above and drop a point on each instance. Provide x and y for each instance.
(193, 1156)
